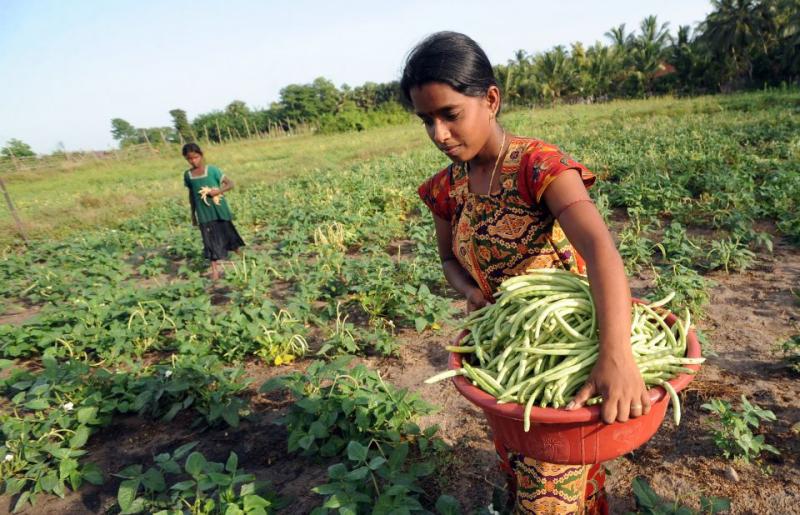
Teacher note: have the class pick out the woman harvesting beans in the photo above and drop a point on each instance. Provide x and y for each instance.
(508, 203)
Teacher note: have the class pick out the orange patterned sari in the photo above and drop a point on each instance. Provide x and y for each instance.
(499, 236)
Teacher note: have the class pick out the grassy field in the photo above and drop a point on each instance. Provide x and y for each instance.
(126, 374)
(98, 193)
(102, 193)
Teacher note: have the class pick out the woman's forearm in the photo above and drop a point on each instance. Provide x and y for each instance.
(611, 295)
(458, 277)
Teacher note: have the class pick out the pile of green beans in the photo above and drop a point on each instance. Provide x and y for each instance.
(538, 343)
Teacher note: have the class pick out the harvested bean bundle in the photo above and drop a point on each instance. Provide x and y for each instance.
(204, 193)
(539, 341)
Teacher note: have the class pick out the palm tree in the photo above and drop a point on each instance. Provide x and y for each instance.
(603, 67)
(731, 32)
(685, 57)
(647, 50)
(618, 37)
(552, 68)
(790, 47)
(517, 73)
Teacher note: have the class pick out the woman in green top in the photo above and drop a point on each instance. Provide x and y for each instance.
(207, 185)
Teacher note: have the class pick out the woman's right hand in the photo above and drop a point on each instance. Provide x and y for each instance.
(475, 300)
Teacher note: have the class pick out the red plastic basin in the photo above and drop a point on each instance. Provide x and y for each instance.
(576, 437)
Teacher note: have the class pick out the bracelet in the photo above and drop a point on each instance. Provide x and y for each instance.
(561, 211)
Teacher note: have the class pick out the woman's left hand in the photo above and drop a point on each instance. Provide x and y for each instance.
(616, 378)
(214, 192)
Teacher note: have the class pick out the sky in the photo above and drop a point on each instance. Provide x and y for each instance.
(68, 67)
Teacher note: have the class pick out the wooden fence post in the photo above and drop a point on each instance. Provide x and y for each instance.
(13, 210)
(144, 133)
(13, 159)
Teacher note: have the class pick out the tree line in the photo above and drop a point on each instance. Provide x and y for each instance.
(741, 44)
(319, 105)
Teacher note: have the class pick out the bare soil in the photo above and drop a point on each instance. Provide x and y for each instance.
(18, 315)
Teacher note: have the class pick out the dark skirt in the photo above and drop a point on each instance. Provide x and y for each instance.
(219, 237)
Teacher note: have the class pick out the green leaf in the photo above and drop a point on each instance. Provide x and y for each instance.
(645, 496)
(420, 324)
(232, 463)
(37, 404)
(183, 450)
(183, 486)
(195, 464)
(232, 509)
(398, 455)
(219, 479)
(153, 480)
(173, 410)
(127, 493)
(15, 485)
(66, 467)
(318, 429)
(337, 471)
(170, 467)
(92, 473)
(48, 481)
(714, 505)
(422, 469)
(377, 462)
(137, 506)
(357, 474)
(87, 415)
(60, 489)
(326, 489)
(306, 442)
(80, 437)
(23, 498)
(252, 502)
(356, 451)
(331, 447)
(308, 404)
(348, 405)
(75, 480)
(130, 472)
(231, 415)
(446, 505)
